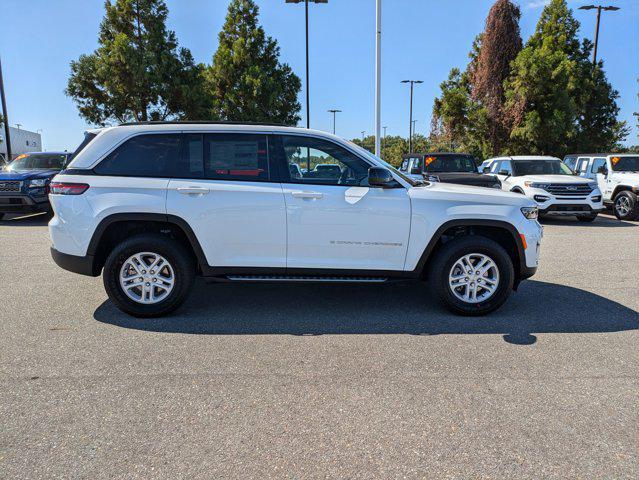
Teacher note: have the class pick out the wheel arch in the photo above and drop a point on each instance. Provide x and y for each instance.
(504, 233)
(114, 228)
(622, 188)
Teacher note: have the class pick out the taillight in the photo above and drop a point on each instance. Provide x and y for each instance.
(64, 188)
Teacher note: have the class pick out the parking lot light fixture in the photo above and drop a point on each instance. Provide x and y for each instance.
(410, 124)
(308, 107)
(334, 111)
(599, 8)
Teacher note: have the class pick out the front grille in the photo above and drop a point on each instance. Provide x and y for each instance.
(11, 186)
(574, 190)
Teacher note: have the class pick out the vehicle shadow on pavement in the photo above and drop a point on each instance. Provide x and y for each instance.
(601, 221)
(32, 220)
(311, 309)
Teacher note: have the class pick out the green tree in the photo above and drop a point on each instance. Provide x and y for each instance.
(558, 101)
(500, 45)
(394, 146)
(137, 73)
(246, 80)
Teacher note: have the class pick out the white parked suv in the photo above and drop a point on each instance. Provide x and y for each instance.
(617, 175)
(153, 205)
(550, 183)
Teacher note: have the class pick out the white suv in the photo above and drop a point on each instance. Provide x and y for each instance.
(153, 205)
(617, 175)
(550, 183)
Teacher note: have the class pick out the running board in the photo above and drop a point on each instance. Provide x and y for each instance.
(305, 278)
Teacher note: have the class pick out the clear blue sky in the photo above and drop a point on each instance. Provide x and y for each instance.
(422, 39)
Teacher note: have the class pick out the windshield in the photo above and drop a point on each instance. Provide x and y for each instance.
(449, 163)
(625, 164)
(38, 161)
(539, 167)
(366, 153)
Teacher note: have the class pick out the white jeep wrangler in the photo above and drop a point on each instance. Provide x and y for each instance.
(153, 205)
(550, 183)
(617, 175)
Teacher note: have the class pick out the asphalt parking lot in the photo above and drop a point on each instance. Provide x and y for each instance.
(305, 381)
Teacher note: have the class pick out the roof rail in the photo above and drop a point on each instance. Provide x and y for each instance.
(204, 122)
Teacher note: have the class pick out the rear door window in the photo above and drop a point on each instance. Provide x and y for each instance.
(153, 155)
(582, 165)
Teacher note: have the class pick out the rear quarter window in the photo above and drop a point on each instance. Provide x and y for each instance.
(152, 155)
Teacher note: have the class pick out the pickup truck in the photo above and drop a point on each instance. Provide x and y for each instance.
(616, 174)
(459, 168)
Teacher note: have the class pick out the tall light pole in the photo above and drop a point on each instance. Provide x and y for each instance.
(333, 111)
(363, 132)
(414, 128)
(7, 135)
(410, 124)
(308, 102)
(378, 76)
(599, 9)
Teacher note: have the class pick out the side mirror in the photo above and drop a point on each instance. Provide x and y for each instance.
(380, 177)
(485, 170)
(603, 170)
(504, 173)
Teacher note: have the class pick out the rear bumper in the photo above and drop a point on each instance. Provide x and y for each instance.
(83, 265)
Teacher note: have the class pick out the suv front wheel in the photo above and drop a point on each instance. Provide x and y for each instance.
(148, 275)
(472, 275)
(626, 206)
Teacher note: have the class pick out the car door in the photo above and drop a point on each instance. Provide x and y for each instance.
(223, 189)
(339, 222)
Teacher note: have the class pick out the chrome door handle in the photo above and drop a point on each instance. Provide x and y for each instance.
(307, 194)
(193, 190)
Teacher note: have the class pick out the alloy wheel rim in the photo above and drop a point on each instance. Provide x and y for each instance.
(474, 278)
(147, 278)
(623, 206)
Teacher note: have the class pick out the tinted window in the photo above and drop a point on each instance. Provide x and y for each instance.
(220, 156)
(88, 136)
(582, 165)
(494, 167)
(570, 162)
(38, 161)
(597, 163)
(505, 166)
(312, 160)
(541, 167)
(143, 156)
(449, 163)
(625, 164)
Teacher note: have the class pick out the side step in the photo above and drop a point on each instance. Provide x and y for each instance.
(305, 278)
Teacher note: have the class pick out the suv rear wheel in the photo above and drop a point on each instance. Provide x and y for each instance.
(148, 275)
(626, 206)
(472, 275)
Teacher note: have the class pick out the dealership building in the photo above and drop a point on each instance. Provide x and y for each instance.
(22, 141)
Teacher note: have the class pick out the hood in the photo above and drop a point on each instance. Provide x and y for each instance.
(470, 194)
(631, 178)
(555, 179)
(26, 174)
(466, 178)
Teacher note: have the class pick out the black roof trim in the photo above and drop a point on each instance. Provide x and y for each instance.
(204, 122)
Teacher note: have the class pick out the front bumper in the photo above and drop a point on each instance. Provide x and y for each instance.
(573, 209)
(83, 265)
(21, 203)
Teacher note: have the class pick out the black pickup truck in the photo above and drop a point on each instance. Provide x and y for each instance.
(460, 168)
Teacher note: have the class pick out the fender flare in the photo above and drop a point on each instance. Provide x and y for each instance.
(148, 217)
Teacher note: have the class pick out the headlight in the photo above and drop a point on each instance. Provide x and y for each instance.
(531, 213)
(38, 183)
(543, 186)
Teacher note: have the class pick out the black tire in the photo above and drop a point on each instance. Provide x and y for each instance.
(453, 250)
(183, 268)
(587, 218)
(630, 201)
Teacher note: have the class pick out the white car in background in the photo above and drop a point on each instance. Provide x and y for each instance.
(551, 184)
(616, 174)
